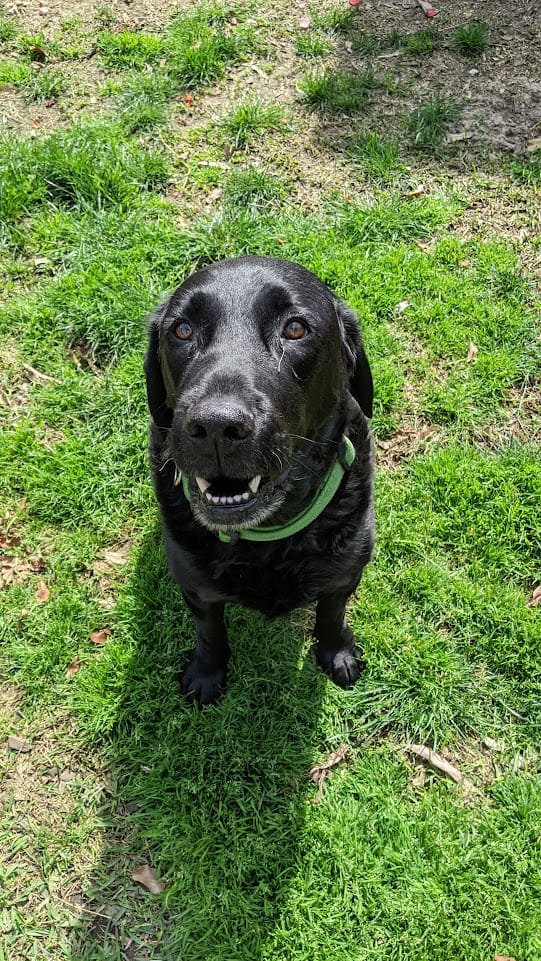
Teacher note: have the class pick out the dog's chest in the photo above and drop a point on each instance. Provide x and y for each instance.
(271, 581)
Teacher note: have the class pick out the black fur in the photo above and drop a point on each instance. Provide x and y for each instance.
(236, 398)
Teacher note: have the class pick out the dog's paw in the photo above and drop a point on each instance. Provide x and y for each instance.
(344, 666)
(200, 685)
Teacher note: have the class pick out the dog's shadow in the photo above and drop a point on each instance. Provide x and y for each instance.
(212, 800)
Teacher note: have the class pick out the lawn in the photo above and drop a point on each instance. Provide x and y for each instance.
(140, 142)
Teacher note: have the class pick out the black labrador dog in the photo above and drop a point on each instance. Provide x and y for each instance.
(260, 394)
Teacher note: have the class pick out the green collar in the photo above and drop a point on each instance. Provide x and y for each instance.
(324, 495)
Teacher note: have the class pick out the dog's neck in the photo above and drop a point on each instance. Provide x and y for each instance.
(324, 495)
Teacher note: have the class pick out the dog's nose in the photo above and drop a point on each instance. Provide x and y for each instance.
(219, 423)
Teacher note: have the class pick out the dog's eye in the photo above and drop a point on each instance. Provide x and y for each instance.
(183, 331)
(294, 330)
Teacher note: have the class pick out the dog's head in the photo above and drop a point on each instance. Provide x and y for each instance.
(251, 365)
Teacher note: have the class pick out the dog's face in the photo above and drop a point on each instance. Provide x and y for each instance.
(250, 365)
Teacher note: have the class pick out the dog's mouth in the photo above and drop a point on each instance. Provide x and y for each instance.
(229, 492)
(225, 503)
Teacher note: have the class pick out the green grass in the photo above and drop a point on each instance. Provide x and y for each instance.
(338, 91)
(45, 85)
(311, 46)
(8, 30)
(528, 169)
(91, 165)
(250, 187)
(127, 49)
(471, 38)
(249, 121)
(194, 51)
(378, 157)
(429, 123)
(342, 22)
(395, 863)
(422, 42)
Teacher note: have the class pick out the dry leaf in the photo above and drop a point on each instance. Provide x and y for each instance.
(9, 540)
(503, 957)
(37, 54)
(22, 615)
(402, 306)
(146, 876)
(73, 667)
(472, 353)
(535, 598)
(38, 375)
(100, 637)
(491, 744)
(320, 772)
(438, 762)
(117, 557)
(534, 145)
(188, 100)
(19, 744)
(42, 593)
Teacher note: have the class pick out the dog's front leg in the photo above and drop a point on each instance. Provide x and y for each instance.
(337, 651)
(203, 679)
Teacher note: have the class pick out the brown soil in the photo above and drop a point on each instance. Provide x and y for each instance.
(499, 92)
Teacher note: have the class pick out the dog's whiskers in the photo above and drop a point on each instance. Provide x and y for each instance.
(276, 454)
(168, 460)
(308, 440)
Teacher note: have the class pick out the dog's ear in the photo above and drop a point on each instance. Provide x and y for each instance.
(360, 383)
(162, 414)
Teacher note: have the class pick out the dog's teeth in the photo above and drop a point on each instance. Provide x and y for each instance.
(202, 484)
(223, 499)
(178, 477)
(254, 483)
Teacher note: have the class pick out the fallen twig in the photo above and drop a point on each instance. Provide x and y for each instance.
(439, 763)
(320, 773)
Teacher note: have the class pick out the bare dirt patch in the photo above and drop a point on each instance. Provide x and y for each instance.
(498, 92)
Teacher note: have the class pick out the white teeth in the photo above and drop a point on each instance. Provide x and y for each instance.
(254, 483)
(178, 477)
(202, 484)
(219, 500)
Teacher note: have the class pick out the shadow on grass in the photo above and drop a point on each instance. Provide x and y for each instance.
(411, 95)
(212, 800)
